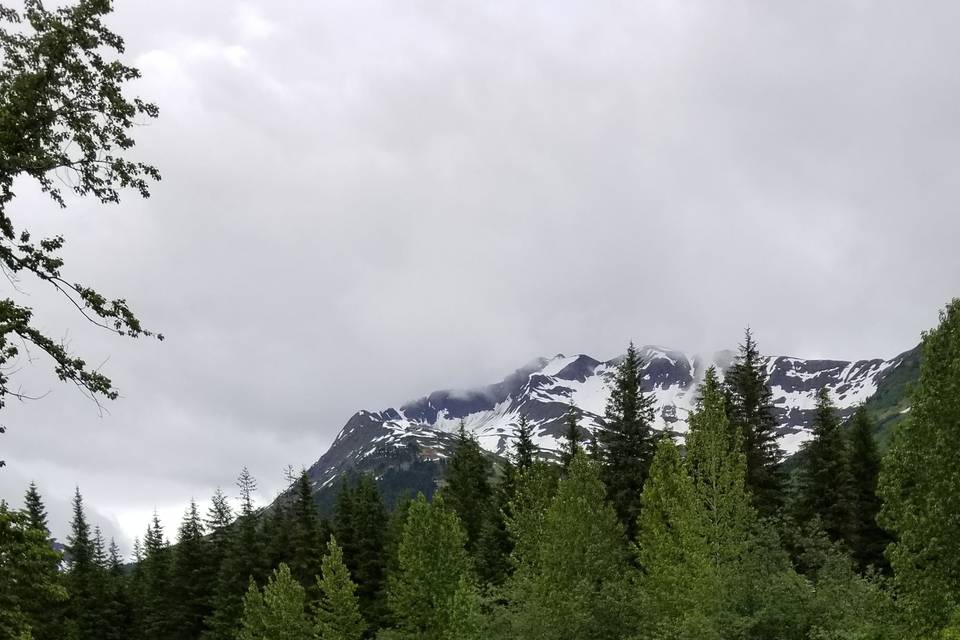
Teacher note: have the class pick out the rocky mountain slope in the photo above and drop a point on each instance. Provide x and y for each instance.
(406, 447)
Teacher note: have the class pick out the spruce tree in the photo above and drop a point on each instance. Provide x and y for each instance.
(467, 490)
(242, 562)
(338, 613)
(275, 536)
(158, 619)
(825, 485)
(276, 613)
(42, 616)
(36, 510)
(627, 442)
(219, 517)
(361, 528)
(919, 483)
(524, 451)
(431, 561)
(749, 404)
(305, 541)
(84, 611)
(30, 592)
(190, 577)
(492, 551)
(571, 443)
(570, 579)
(868, 540)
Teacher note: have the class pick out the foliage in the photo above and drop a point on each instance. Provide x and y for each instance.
(64, 119)
(467, 488)
(825, 483)
(867, 539)
(276, 613)
(626, 442)
(572, 437)
(571, 581)
(338, 614)
(919, 481)
(431, 562)
(32, 589)
(524, 451)
(749, 405)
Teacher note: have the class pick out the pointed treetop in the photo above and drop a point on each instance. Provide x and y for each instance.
(247, 485)
(523, 447)
(572, 436)
(36, 510)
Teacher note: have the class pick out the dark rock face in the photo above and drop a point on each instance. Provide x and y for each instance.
(392, 442)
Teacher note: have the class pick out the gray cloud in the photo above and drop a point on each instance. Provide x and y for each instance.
(365, 201)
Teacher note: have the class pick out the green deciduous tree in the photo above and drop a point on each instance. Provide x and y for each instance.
(627, 442)
(919, 483)
(338, 614)
(679, 590)
(63, 112)
(570, 581)
(467, 619)
(276, 613)
(431, 561)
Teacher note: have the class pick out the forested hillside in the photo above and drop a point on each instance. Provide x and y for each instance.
(628, 536)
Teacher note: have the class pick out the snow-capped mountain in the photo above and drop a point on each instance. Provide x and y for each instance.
(398, 441)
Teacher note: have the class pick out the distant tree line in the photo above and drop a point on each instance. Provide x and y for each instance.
(631, 536)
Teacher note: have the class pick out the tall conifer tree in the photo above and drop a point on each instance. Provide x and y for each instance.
(749, 405)
(36, 510)
(524, 451)
(361, 528)
(190, 576)
(627, 441)
(571, 444)
(83, 615)
(305, 536)
(31, 594)
(243, 561)
(868, 539)
(158, 618)
(826, 487)
(41, 603)
(467, 491)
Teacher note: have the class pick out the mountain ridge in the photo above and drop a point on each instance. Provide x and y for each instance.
(413, 440)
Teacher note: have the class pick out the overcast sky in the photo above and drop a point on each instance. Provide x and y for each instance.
(365, 201)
